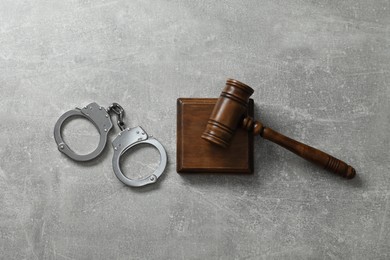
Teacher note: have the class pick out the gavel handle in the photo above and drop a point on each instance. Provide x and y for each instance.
(309, 153)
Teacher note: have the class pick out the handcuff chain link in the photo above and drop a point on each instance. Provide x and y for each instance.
(119, 112)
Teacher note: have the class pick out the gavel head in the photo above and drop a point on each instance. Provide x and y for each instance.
(228, 113)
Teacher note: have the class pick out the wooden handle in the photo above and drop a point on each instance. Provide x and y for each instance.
(307, 152)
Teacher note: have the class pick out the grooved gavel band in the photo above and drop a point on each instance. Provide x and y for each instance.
(228, 114)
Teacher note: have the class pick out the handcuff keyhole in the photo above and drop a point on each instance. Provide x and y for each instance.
(139, 161)
(80, 135)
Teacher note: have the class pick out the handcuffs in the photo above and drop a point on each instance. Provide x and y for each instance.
(126, 139)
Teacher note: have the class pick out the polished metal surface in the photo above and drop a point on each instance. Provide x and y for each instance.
(124, 142)
(94, 113)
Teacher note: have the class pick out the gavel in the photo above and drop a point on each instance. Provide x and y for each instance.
(228, 114)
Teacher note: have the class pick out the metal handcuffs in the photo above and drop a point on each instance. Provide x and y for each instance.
(126, 139)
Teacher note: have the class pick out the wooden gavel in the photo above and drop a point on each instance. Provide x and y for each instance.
(228, 114)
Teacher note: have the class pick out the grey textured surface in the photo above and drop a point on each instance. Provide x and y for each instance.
(320, 70)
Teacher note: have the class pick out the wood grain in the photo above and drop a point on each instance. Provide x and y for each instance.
(230, 111)
(197, 155)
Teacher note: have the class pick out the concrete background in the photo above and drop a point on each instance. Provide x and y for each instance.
(320, 70)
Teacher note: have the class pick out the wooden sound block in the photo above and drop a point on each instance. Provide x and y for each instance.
(195, 154)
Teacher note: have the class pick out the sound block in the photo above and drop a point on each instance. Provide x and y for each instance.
(195, 154)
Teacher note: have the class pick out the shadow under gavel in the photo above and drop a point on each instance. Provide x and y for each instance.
(228, 114)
